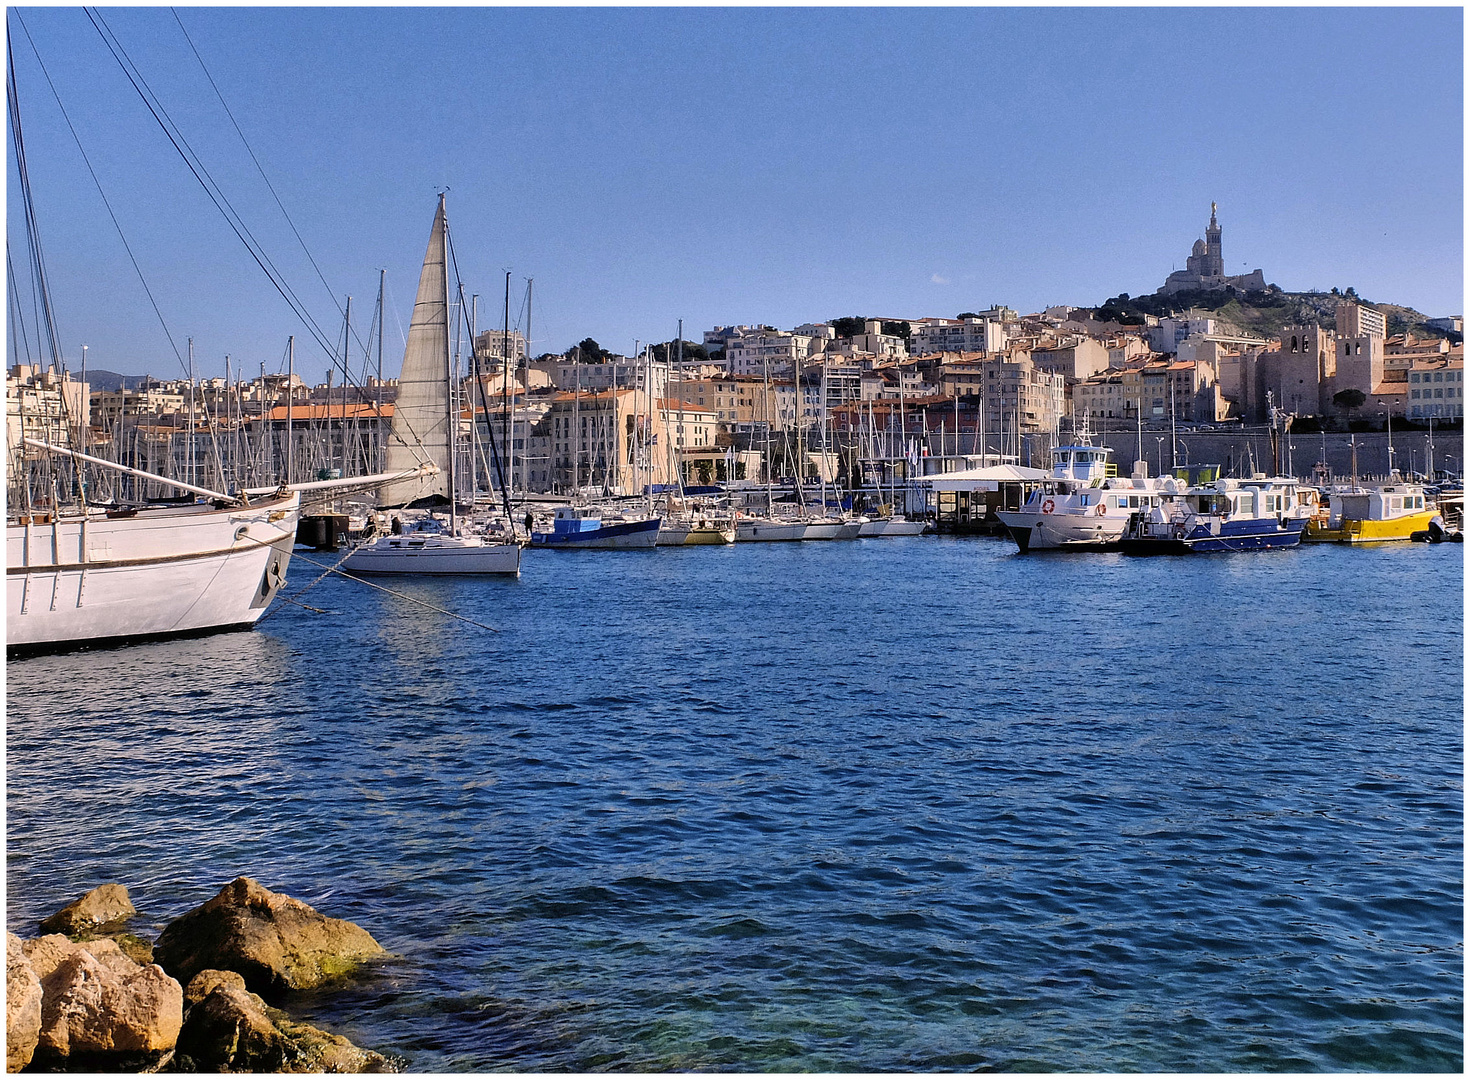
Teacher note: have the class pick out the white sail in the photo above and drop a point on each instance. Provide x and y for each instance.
(420, 431)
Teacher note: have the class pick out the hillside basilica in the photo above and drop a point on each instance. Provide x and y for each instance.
(1205, 267)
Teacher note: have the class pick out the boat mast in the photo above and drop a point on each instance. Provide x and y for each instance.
(290, 408)
(507, 415)
(680, 443)
(378, 390)
(453, 418)
(576, 420)
(192, 476)
(525, 383)
(346, 378)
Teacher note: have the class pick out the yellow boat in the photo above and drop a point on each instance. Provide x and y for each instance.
(1372, 515)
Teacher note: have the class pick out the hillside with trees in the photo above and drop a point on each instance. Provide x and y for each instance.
(1261, 313)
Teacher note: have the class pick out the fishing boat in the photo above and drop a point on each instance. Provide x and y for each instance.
(1258, 514)
(1373, 515)
(1083, 505)
(584, 527)
(424, 432)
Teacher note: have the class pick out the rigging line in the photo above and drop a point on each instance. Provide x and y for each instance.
(217, 197)
(87, 161)
(216, 189)
(211, 187)
(480, 382)
(18, 318)
(393, 592)
(209, 420)
(258, 167)
(33, 232)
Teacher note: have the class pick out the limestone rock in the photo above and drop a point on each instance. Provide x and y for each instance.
(313, 1050)
(92, 1009)
(229, 1030)
(22, 1006)
(133, 947)
(104, 907)
(46, 953)
(201, 985)
(233, 1030)
(274, 941)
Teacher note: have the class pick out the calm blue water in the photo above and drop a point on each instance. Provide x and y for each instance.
(881, 805)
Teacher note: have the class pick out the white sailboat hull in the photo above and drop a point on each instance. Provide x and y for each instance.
(173, 570)
(831, 530)
(891, 527)
(409, 554)
(764, 531)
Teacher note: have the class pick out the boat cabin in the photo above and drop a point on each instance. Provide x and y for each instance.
(570, 520)
(1082, 463)
(1376, 504)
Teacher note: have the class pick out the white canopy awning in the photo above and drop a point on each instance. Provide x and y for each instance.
(984, 479)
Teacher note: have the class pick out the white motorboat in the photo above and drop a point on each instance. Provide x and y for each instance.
(1083, 504)
(145, 572)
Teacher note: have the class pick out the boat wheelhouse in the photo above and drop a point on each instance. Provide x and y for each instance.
(1083, 504)
(1254, 514)
(584, 527)
(1381, 514)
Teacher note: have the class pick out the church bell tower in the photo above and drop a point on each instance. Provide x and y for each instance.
(1214, 262)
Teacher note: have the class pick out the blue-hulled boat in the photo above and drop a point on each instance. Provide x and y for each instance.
(1228, 515)
(581, 527)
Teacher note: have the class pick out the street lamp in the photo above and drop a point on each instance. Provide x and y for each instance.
(1388, 419)
(1160, 441)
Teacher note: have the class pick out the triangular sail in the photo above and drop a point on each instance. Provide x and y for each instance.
(420, 431)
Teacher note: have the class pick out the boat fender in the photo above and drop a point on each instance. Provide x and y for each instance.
(1102, 508)
(1048, 506)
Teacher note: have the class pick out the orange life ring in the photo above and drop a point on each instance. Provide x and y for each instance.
(1048, 506)
(1102, 508)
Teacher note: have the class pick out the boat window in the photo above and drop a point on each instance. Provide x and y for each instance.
(1086, 499)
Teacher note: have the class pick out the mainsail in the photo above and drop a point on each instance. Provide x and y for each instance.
(420, 430)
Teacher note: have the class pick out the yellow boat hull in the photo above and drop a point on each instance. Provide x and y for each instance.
(1359, 531)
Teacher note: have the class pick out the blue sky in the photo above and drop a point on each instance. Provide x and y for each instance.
(735, 165)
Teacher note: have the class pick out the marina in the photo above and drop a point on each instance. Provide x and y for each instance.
(923, 662)
(812, 806)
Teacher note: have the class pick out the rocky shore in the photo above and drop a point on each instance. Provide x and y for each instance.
(88, 996)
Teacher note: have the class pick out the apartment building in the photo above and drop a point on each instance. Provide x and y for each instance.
(1436, 388)
(495, 345)
(929, 336)
(767, 351)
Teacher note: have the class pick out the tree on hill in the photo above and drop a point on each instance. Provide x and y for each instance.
(897, 329)
(587, 351)
(669, 350)
(850, 326)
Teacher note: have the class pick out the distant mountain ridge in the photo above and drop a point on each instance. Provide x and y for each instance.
(102, 379)
(1262, 313)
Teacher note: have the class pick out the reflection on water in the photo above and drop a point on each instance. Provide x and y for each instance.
(890, 805)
